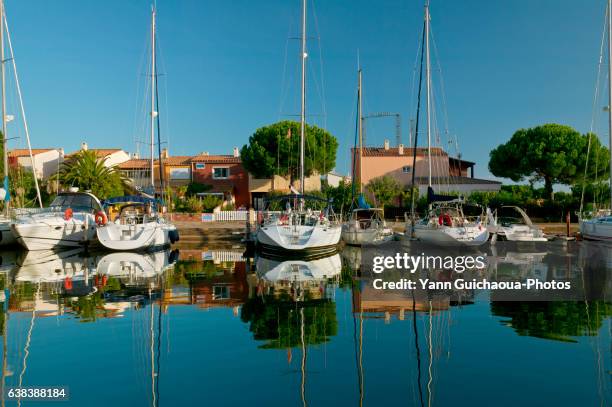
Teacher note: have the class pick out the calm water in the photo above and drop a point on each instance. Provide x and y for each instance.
(213, 328)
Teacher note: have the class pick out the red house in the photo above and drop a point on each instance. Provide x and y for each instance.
(226, 175)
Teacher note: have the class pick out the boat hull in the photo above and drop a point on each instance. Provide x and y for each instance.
(452, 236)
(595, 229)
(6, 234)
(297, 240)
(357, 237)
(55, 233)
(136, 237)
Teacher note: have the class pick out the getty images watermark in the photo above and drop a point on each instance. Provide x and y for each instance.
(508, 272)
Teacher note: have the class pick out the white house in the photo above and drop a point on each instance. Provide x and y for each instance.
(46, 160)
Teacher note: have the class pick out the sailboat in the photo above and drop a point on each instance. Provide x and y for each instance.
(366, 225)
(599, 226)
(7, 236)
(446, 222)
(140, 224)
(299, 230)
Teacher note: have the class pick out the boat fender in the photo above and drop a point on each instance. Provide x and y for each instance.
(68, 283)
(173, 235)
(101, 218)
(68, 214)
(445, 220)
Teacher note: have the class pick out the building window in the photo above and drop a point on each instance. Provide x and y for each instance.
(221, 292)
(406, 169)
(220, 172)
(200, 166)
(180, 174)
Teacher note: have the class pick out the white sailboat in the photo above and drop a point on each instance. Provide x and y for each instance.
(140, 224)
(446, 223)
(6, 234)
(599, 225)
(299, 230)
(366, 225)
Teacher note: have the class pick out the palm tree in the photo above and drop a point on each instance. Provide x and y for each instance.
(90, 173)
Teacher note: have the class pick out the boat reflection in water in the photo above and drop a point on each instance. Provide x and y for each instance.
(307, 324)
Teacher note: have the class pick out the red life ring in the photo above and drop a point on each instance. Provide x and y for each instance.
(68, 283)
(68, 214)
(445, 220)
(101, 218)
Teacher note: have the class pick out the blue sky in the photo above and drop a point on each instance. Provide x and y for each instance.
(505, 64)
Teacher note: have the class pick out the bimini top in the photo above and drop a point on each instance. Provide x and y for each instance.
(129, 199)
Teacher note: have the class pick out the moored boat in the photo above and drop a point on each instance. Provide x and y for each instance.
(70, 221)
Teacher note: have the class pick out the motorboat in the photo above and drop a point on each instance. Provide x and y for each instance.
(509, 227)
(598, 227)
(366, 226)
(298, 231)
(135, 225)
(70, 221)
(446, 224)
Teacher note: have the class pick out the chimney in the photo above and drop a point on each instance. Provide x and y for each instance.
(386, 144)
(165, 154)
(400, 149)
(135, 156)
(204, 153)
(84, 146)
(61, 152)
(236, 152)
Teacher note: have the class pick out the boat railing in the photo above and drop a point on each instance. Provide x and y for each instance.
(25, 212)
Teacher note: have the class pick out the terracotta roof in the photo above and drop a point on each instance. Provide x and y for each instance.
(224, 159)
(24, 152)
(394, 151)
(136, 163)
(100, 152)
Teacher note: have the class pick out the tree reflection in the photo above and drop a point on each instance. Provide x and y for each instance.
(278, 321)
(559, 320)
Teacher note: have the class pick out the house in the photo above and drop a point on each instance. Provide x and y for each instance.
(177, 170)
(449, 174)
(111, 156)
(47, 161)
(225, 174)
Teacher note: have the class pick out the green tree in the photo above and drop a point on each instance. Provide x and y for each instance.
(275, 149)
(552, 153)
(86, 171)
(385, 189)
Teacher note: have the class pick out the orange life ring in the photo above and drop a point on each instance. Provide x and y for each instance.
(445, 220)
(101, 218)
(68, 214)
(68, 283)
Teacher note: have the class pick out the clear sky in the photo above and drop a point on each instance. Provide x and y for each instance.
(506, 65)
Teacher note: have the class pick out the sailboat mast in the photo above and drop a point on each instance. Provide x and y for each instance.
(153, 85)
(4, 135)
(428, 82)
(360, 121)
(610, 91)
(303, 110)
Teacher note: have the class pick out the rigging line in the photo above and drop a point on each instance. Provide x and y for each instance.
(414, 72)
(159, 338)
(318, 37)
(137, 115)
(283, 90)
(442, 88)
(159, 148)
(594, 112)
(416, 136)
(23, 115)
